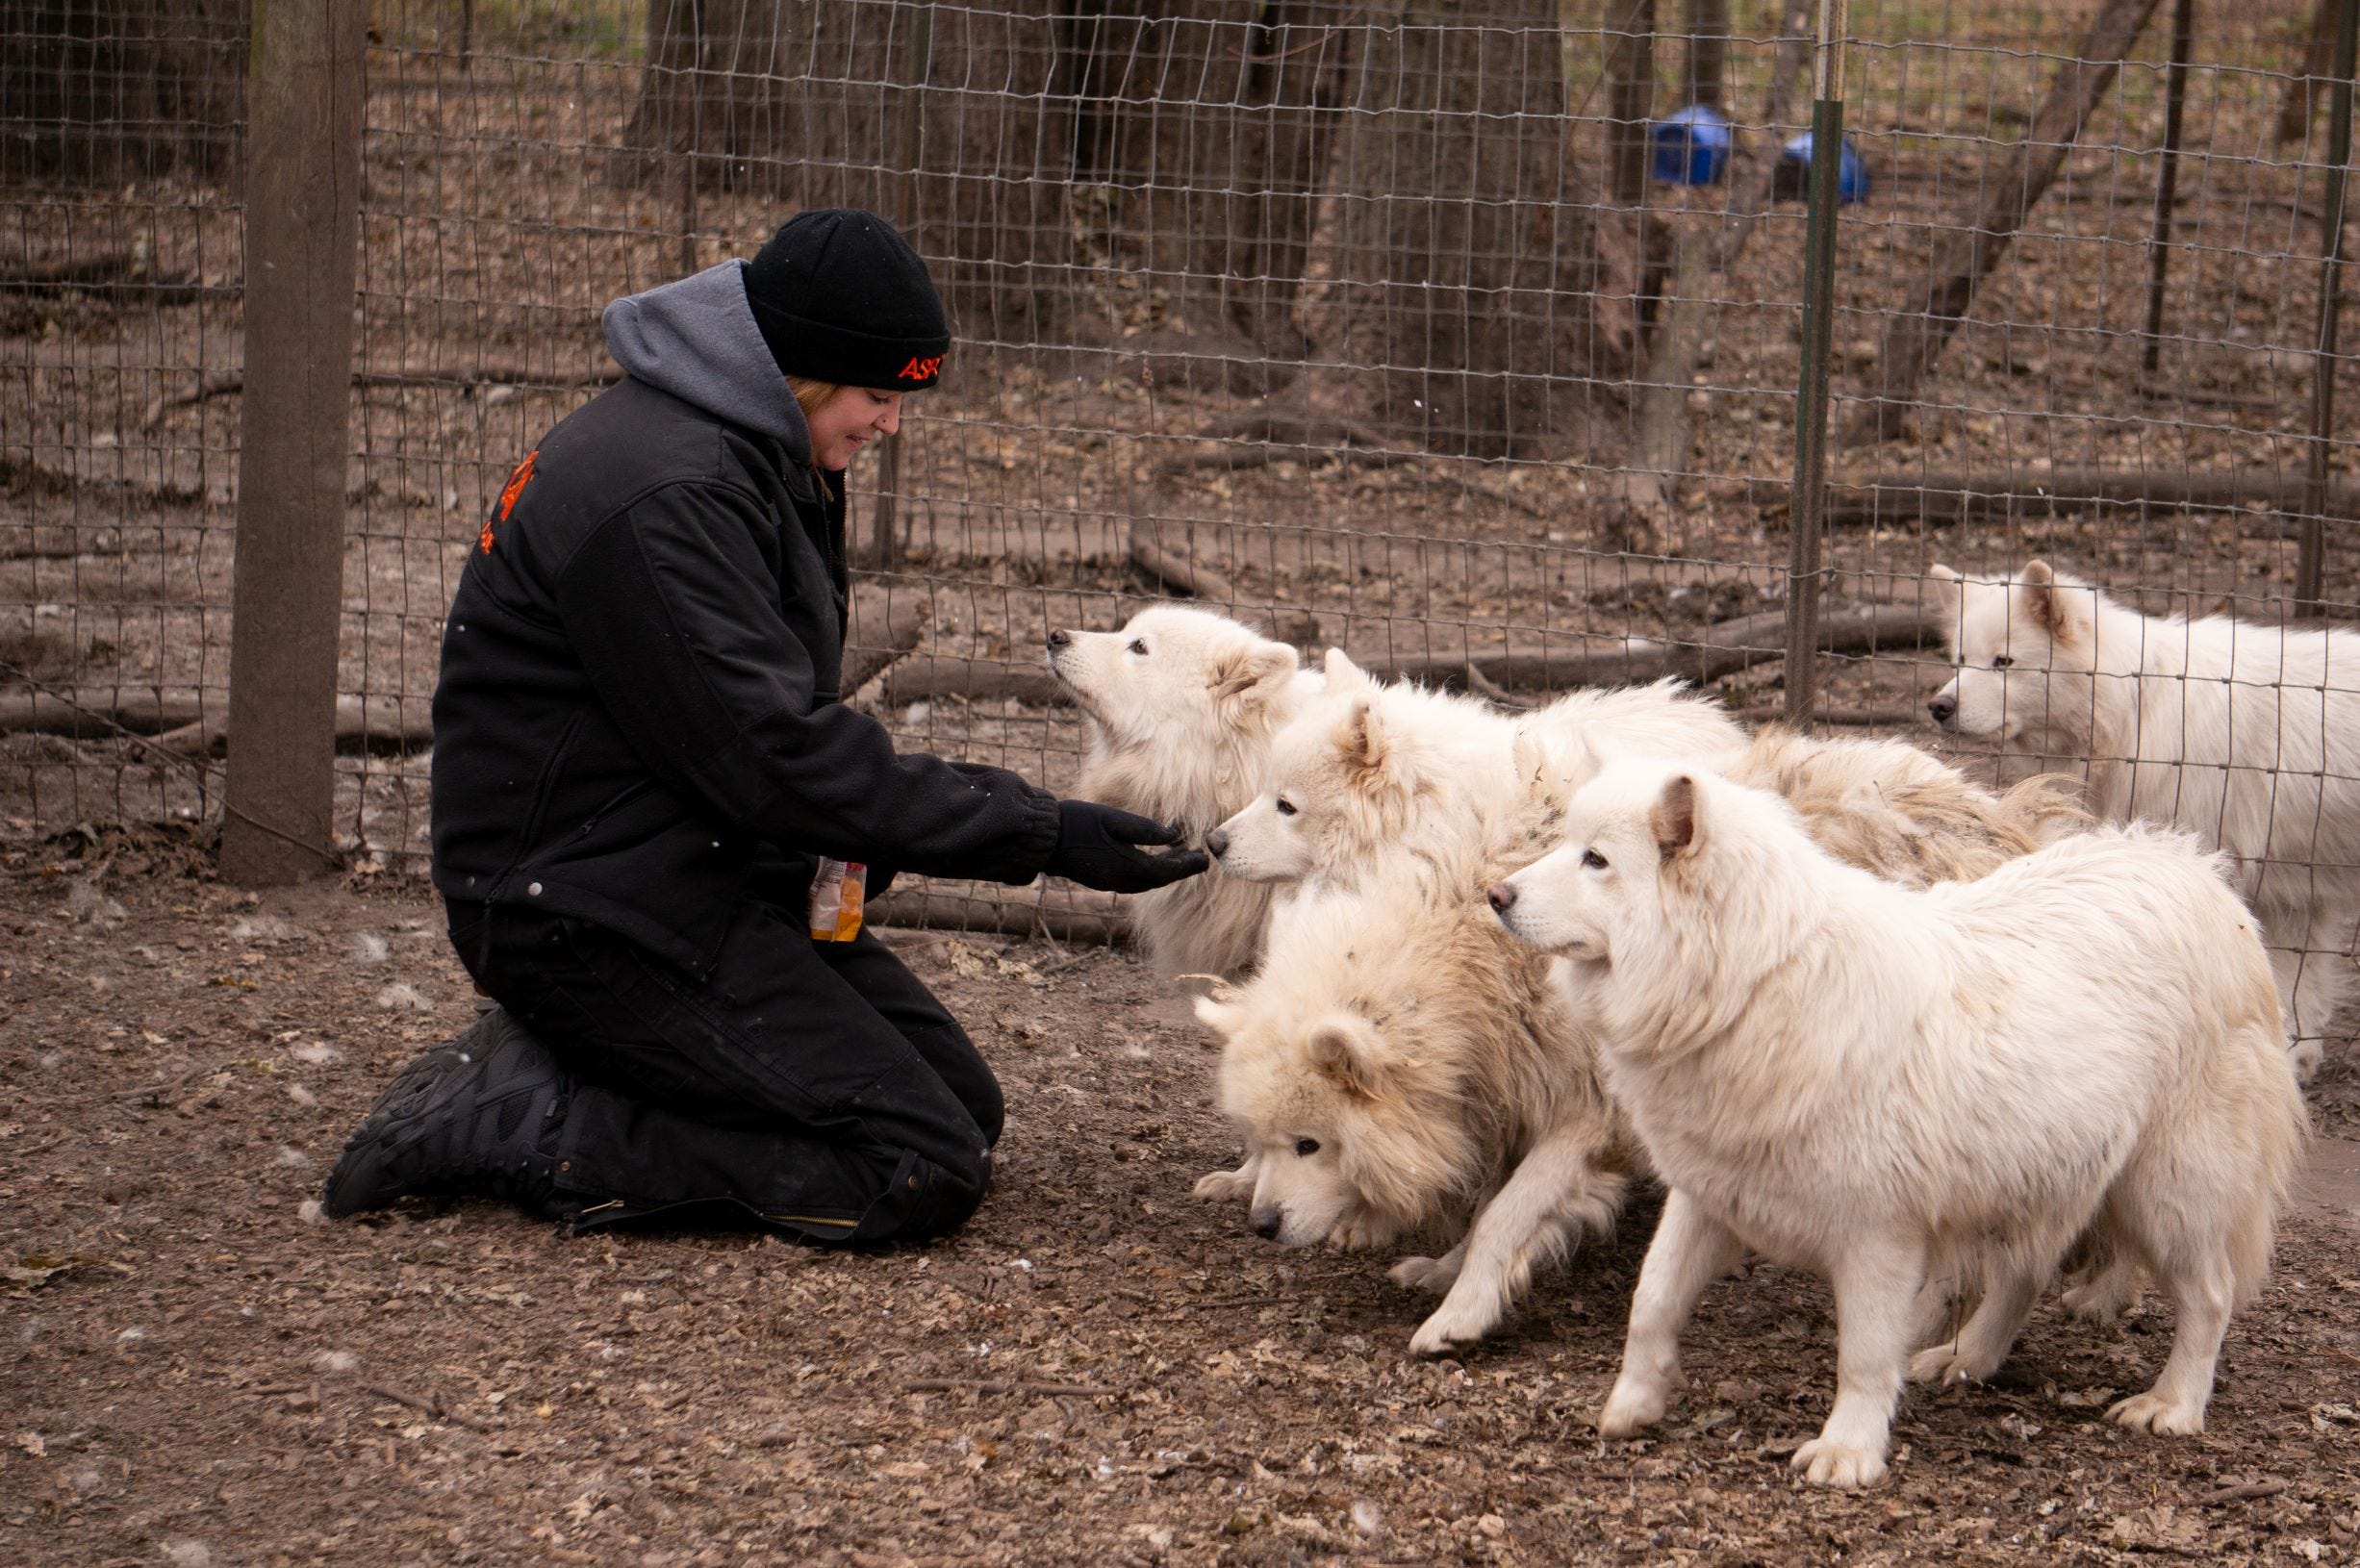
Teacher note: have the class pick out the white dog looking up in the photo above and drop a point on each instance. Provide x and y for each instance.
(1182, 704)
(1896, 1088)
(2248, 735)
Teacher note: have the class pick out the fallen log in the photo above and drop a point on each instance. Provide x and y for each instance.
(885, 629)
(1027, 913)
(222, 384)
(1951, 498)
(1266, 436)
(180, 722)
(1716, 651)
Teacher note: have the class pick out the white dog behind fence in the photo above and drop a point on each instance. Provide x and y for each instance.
(1918, 1093)
(2248, 735)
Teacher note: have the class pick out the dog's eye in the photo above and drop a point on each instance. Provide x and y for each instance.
(2002, 661)
(1285, 807)
(1138, 644)
(1595, 861)
(1306, 1148)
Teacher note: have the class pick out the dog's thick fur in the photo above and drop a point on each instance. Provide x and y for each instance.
(2248, 735)
(1398, 930)
(1182, 706)
(1369, 775)
(1910, 1090)
(1399, 1065)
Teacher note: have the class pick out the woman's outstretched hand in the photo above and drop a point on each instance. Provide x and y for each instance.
(1096, 847)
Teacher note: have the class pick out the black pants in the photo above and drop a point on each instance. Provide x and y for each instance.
(816, 1086)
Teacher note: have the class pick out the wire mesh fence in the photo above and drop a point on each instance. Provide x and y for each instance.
(1434, 335)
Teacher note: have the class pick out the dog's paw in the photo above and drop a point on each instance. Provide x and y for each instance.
(1224, 1186)
(1452, 1324)
(1434, 1275)
(1946, 1364)
(1630, 1409)
(2305, 1056)
(2104, 1300)
(2150, 1413)
(1825, 1462)
(1364, 1231)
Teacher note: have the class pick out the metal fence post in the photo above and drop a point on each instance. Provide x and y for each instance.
(1809, 492)
(2311, 540)
(2168, 177)
(302, 238)
(885, 541)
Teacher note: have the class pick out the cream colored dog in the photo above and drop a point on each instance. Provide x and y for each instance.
(2247, 735)
(1412, 975)
(1182, 706)
(1369, 775)
(1903, 1089)
(1401, 1067)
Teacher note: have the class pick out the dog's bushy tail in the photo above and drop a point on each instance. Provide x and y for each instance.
(2046, 807)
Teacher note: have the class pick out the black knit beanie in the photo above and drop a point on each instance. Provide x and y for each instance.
(840, 297)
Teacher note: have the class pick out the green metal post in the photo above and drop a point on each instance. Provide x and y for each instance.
(1809, 492)
(2311, 542)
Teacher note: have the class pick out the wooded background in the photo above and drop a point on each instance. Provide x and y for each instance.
(1370, 323)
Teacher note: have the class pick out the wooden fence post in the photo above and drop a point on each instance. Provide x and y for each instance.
(302, 235)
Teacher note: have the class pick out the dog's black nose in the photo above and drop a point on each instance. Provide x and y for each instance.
(1502, 896)
(1218, 842)
(1059, 638)
(1266, 1226)
(1945, 708)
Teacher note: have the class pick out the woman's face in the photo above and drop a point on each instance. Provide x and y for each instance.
(850, 421)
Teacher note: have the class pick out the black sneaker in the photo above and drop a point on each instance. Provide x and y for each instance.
(477, 1116)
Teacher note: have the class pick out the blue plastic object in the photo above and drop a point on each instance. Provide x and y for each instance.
(1793, 179)
(1691, 147)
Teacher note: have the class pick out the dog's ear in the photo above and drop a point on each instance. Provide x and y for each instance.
(1361, 737)
(1344, 1050)
(1948, 592)
(1673, 817)
(2065, 611)
(1343, 675)
(1219, 1014)
(1253, 669)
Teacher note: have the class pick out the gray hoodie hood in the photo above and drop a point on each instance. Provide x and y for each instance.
(696, 339)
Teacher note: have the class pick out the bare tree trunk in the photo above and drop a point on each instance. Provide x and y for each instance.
(1466, 262)
(1663, 429)
(2300, 105)
(1631, 84)
(1707, 78)
(938, 117)
(1210, 123)
(1966, 256)
(101, 90)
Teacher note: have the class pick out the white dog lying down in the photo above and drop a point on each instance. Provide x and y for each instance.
(1414, 974)
(1906, 1089)
(2248, 735)
(1368, 772)
(1182, 706)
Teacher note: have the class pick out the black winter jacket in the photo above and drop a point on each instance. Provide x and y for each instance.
(637, 718)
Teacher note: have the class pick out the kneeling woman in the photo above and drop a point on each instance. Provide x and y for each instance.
(649, 803)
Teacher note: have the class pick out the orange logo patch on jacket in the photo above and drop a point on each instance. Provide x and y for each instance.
(509, 493)
(920, 370)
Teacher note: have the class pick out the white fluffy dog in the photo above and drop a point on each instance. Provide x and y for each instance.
(1182, 706)
(1370, 774)
(2249, 735)
(1402, 1066)
(1906, 1090)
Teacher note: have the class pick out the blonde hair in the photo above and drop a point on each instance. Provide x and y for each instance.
(811, 395)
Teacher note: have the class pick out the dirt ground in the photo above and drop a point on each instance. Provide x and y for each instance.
(1096, 1369)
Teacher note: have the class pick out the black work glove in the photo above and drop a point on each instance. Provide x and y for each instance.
(1095, 848)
